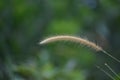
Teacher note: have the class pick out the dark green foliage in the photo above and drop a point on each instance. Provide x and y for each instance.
(23, 23)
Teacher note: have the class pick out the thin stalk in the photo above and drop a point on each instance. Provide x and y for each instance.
(112, 70)
(109, 75)
(111, 56)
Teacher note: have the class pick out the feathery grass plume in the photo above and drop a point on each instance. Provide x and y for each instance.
(73, 39)
(86, 43)
(78, 40)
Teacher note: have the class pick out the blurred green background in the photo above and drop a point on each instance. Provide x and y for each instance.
(24, 23)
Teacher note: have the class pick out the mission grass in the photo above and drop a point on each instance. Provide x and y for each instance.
(78, 40)
(86, 43)
(72, 39)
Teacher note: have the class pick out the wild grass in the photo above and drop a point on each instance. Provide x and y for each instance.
(87, 43)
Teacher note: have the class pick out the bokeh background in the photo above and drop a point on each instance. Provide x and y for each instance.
(24, 23)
